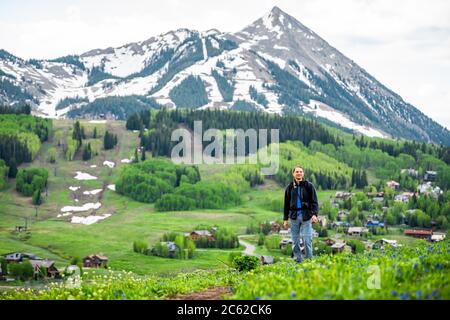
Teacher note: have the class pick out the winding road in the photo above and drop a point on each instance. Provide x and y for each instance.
(249, 248)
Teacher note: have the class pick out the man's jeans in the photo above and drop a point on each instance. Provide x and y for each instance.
(302, 229)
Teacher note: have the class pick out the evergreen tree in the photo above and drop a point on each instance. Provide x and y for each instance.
(37, 197)
(12, 172)
(133, 122)
(364, 181)
(87, 152)
(77, 133)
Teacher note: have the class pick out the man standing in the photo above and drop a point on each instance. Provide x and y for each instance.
(301, 206)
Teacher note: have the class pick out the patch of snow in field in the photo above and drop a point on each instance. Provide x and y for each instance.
(94, 166)
(92, 192)
(64, 214)
(112, 187)
(125, 161)
(74, 188)
(84, 176)
(109, 164)
(97, 121)
(90, 219)
(84, 207)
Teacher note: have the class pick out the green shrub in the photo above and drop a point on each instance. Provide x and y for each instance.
(245, 263)
(323, 233)
(226, 239)
(233, 255)
(37, 197)
(51, 155)
(320, 248)
(140, 247)
(252, 228)
(287, 250)
(356, 245)
(21, 271)
(31, 179)
(261, 239)
(273, 242)
(3, 265)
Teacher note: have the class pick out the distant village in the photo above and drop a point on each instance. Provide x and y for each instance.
(29, 266)
(39, 268)
(344, 229)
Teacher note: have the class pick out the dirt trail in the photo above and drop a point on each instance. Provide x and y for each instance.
(213, 293)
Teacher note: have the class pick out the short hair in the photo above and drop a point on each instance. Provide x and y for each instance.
(297, 166)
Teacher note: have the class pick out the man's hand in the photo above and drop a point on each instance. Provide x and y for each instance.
(286, 224)
(314, 219)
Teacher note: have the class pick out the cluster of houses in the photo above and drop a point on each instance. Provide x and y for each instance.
(423, 234)
(339, 245)
(357, 230)
(197, 234)
(39, 265)
(194, 235)
(48, 267)
(426, 188)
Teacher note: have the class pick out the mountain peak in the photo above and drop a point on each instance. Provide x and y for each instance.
(276, 20)
(303, 73)
(276, 10)
(274, 17)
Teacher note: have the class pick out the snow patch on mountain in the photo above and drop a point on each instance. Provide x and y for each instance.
(280, 47)
(278, 61)
(322, 110)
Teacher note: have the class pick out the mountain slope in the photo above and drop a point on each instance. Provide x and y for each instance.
(276, 65)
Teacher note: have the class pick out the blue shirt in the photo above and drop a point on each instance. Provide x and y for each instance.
(299, 202)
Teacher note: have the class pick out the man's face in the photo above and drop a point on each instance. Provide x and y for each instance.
(298, 173)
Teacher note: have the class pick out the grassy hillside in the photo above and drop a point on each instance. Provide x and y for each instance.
(403, 273)
(56, 238)
(51, 235)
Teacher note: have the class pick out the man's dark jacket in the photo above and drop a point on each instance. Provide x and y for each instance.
(308, 197)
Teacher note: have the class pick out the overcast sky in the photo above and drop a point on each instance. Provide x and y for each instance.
(405, 44)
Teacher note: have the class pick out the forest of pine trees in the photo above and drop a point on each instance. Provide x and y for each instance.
(21, 136)
(23, 109)
(3, 174)
(117, 107)
(225, 87)
(291, 128)
(359, 179)
(190, 93)
(30, 180)
(406, 147)
(258, 97)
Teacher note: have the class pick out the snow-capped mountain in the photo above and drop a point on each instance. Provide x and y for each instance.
(276, 65)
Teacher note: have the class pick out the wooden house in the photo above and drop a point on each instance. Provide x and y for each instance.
(47, 266)
(196, 234)
(95, 261)
(422, 234)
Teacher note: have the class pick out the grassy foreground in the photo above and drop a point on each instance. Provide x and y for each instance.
(421, 272)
